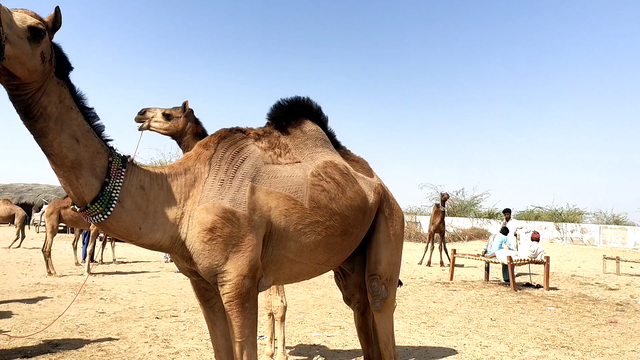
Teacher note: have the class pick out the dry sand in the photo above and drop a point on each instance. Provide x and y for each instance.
(142, 309)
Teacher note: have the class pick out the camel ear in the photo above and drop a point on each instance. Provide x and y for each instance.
(185, 106)
(54, 21)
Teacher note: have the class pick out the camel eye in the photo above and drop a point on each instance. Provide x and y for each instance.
(36, 34)
(167, 116)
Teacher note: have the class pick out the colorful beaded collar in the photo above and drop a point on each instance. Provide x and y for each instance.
(103, 205)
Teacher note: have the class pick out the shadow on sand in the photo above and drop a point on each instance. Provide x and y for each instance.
(48, 347)
(404, 352)
(29, 301)
(98, 272)
(6, 314)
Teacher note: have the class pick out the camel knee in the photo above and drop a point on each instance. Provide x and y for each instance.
(378, 291)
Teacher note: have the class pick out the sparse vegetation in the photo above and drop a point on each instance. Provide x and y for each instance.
(162, 157)
(462, 203)
(608, 217)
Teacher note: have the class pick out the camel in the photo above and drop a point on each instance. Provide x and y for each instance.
(181, 124)
(59, 211)
(11, 213)
(246, 209)
(437, 226)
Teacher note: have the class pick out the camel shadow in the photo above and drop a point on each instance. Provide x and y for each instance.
(29, 301)
(48, 347)
(128, 262)
(308, 352)
(6, 314)
(124, 272)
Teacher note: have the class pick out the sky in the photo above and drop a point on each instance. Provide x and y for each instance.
(535, 101)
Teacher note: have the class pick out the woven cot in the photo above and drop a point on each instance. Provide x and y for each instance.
(511, 263)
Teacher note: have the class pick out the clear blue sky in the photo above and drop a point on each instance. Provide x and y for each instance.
(537, 101)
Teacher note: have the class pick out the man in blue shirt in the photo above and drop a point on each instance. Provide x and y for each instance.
(496, 244)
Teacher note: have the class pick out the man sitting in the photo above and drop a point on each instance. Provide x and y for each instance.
(495, 246)
(533, 251)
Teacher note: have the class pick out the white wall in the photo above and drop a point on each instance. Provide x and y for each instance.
(588, 234)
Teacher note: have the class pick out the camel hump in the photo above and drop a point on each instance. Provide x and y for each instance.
(286, 111)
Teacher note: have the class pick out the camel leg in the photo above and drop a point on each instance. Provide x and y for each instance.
(425, 252)
(431, 240)
(239, 293)
(102, 247)
(214, 314)
(91, 249)
(280, 310)
(384, 257)
(15, 239)
(46, 249)
(350, 278)
(77, 233)
(443, 244)
(113, 249)
(270, 349)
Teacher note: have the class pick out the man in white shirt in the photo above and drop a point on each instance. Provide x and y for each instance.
(513, 225)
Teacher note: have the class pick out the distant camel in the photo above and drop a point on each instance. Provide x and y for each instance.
(11, 213)
(436, 226)
(59, 211)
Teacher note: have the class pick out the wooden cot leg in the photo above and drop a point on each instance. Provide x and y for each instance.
(512, 275)
(547, 270)
(618, 265)
(452, 265)
(487, 266)
(604, 264)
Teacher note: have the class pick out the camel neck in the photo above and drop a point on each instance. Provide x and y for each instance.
(76, 153)
(79, 158)
(192, 134)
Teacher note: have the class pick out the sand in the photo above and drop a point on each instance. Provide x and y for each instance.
(142, 309)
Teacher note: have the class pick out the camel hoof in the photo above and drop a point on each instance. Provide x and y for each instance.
(420, 263)
(441, 264)
(78, 264)
(429, 264)
(18, 247)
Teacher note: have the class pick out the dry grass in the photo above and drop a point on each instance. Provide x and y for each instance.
(142, 309)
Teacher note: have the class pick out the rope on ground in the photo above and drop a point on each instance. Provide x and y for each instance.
(56, 319)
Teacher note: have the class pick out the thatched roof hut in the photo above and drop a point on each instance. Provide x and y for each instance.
(31, 196)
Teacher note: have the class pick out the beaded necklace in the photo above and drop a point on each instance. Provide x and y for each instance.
(104, 203)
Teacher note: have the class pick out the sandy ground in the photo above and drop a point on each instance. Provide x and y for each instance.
(142, 309)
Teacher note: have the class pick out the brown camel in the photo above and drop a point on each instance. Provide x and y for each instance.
(437, 226)
(13, 214)
(59, 211)
(181, 124)
(246, 209)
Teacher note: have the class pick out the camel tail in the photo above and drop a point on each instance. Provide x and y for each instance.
(288, 110)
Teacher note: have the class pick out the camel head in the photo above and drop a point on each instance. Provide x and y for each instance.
(169, 122)
(26, 47)
(443, 198)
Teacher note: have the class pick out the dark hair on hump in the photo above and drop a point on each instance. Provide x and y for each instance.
(288, 110)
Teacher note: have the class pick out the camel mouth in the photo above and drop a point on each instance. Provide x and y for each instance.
(144, 126)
